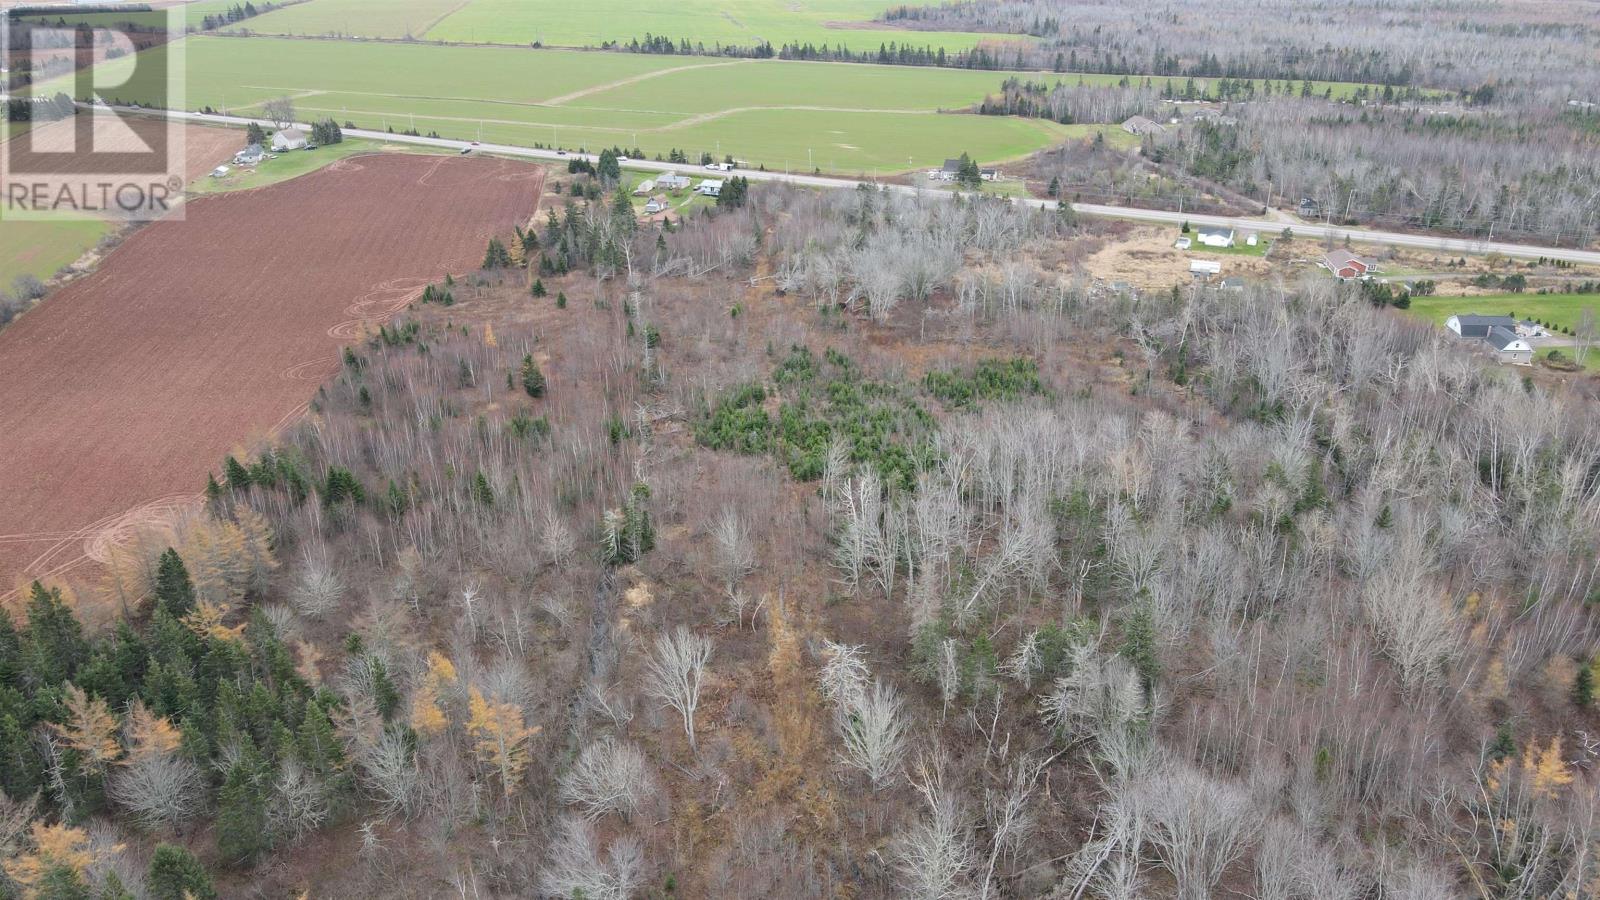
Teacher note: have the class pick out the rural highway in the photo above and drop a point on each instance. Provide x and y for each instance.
(1454, 246)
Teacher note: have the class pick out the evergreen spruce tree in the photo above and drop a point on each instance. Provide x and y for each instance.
(53, 646)
(241, 815)
(174, 590)
(175, 874)
(235, 474)
(538, 289)
(532, 378)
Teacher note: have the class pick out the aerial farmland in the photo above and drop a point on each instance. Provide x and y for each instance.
(799, 449)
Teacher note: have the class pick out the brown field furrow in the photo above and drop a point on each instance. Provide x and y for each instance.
(200, 337)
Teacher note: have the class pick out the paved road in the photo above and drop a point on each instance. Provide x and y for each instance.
(1454, 246)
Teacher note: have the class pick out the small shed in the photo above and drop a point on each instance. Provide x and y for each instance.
(644, 188)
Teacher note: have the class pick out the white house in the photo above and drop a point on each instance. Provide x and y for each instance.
(249, 156)
(709, 188)
(1510, 348)
(1215, 236)
(288, 139)
(672, 182)
(656, 204)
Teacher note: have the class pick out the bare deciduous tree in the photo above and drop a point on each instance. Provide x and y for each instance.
(1198, 824)
(609, 776)
(576, 867)
(735, 555)
(935, 855)
(875, 731)
(675, 670)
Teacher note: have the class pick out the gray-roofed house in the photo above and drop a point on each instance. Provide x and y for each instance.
(249, 156)
(1509, 347)
(672, 182)
(1215, 236)
(1475, 327)
(1140, 125)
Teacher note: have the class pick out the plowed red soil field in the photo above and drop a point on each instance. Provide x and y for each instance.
(120, 392)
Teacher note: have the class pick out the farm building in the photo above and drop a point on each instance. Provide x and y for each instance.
(672, 182)
(288, 139)
(1345, 265)
(1309, 208)
(249, 156)
(644, 188)
(656, 204)
(1215, 236)
(1142, 126)
(1201, 268)
(1233, 283)
(709, 188)
(1476, 327)
(989, 174)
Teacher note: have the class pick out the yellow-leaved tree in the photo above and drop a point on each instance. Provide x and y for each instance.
(90, 729)
(54, 847)
(149, 735)
(500, 737)
(1547, 772)
(206, 621)
(428, 715)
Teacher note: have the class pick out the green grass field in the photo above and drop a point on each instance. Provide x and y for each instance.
(742, 23)
(1560, 310)
(39, 248)
(836, 117)
(357, 18)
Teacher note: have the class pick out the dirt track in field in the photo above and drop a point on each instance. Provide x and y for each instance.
(196, 338)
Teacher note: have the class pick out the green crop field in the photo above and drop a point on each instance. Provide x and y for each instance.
(1559, 310)
(356, 18)
(837, 117)
(39, 248)
(712, 23)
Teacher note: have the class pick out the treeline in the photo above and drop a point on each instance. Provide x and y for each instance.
(234, 14)
(888, 54)
(1534, 48)
(50, 109)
